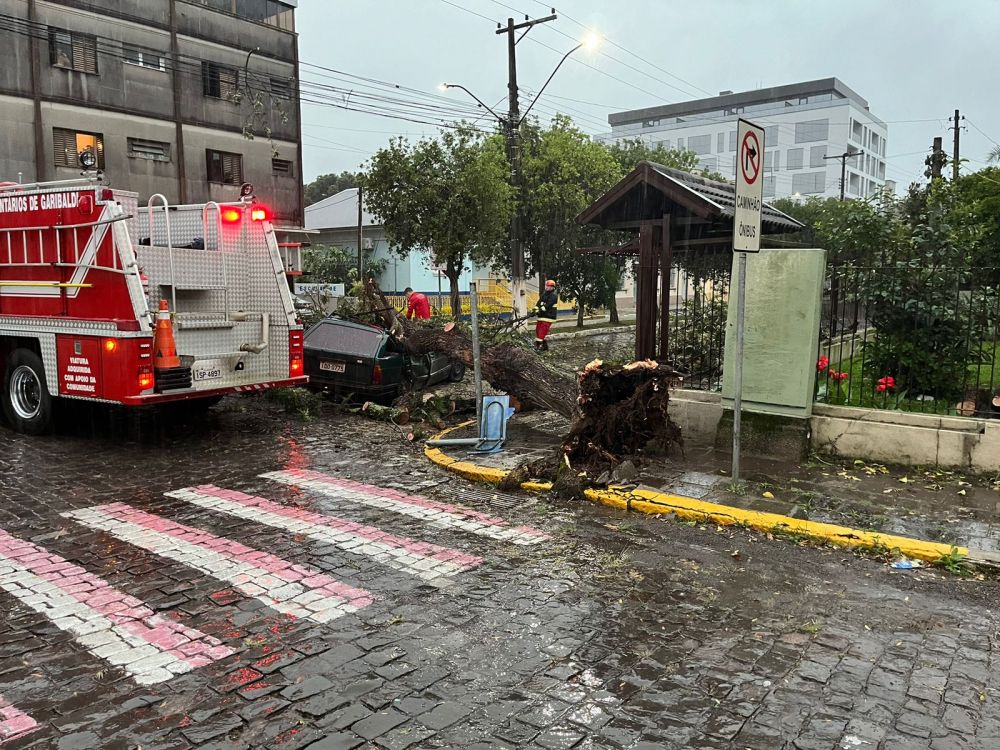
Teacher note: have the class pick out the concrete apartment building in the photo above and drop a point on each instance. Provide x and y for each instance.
(803, 123)
(160, 90)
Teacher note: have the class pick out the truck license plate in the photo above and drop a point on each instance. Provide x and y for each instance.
(332, 366)
(206, 370)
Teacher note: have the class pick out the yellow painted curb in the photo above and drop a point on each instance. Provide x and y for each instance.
(688, 508)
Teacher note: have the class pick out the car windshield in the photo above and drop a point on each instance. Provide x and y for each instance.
(342, 339)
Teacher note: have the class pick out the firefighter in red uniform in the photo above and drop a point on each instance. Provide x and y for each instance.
(417, 305)
(546, 311)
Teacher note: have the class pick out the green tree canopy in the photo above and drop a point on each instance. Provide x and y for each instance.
(564, 171)
(630, 151)
(330, 184)
(449, 195)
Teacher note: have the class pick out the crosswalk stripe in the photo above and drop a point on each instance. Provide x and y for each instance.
(422, 559)
(14, 723)
(111, 625)
(436, 514)
(280, 585)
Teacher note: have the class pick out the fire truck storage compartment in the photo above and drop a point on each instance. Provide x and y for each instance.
(80, 366)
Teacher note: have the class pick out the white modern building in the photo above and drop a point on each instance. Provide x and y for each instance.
(803, 123)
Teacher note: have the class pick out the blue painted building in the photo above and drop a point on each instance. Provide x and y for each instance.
(335, 219)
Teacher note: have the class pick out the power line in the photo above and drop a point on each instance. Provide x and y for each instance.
(982, 132)
(605, 54)
(634, 54)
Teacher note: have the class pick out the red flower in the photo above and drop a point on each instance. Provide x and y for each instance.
(822, 364)
(887, 383)
(839, 376)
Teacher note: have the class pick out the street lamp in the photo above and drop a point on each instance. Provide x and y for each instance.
(511, 124)
(484, 105)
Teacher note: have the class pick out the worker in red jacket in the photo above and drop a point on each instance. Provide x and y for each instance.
(417, 305)
(546, 311)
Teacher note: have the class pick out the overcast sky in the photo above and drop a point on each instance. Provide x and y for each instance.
(914, 61)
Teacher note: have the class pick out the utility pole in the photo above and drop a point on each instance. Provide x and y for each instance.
(361, 252)
(517, 281)
(935, 162)
(843, 168)
(954, 159)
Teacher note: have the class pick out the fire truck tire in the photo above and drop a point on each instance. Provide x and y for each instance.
(27, 404)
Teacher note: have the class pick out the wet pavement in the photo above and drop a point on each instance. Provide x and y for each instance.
(923, 502)
(358, 597)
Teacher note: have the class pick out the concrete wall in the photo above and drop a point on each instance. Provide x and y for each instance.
(904, 438)
(879, 435)
(123, 101)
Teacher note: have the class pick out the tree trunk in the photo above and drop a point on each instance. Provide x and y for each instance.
(613, 310)
(615, 411)
(516, 371)
(579, 313)
(453, 274)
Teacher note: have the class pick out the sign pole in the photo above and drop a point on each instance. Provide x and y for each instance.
(746, 239)
(476, 369)
(741, 295)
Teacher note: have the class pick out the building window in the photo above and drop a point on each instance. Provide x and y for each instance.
(73, 51)
(793, 160)
(224, 167)
(721, 143)
(732, 140)
(809, 183)
(140, 148)
(708, 164)
(69, 144)
(768, 187)
(700, 144)
(664, 143)
(812, 130)
(281, 88)
(770, 136)
(680, 144)
(816, 157)
(144, 58)
(853, 183)
(769, 160)
(281, 168)
(219, 81)
(650, 123)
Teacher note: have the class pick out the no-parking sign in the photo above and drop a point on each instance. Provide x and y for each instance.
(749, 188)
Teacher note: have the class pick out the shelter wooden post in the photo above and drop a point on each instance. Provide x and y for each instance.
(666, 261)
(645, 336)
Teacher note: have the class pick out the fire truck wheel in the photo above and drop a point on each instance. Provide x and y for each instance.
(27, 404)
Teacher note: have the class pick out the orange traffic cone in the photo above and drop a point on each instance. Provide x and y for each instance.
(164, 348)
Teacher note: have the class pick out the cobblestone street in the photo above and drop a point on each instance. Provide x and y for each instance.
(256, 581)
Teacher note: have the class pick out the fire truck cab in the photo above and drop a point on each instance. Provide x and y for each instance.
(83, 271)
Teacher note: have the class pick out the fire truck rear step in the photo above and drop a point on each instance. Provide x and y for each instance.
(169, 379)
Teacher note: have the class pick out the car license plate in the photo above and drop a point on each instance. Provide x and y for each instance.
(209, 369)
(332, 366)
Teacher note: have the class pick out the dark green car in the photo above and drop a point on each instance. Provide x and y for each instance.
(344, 357)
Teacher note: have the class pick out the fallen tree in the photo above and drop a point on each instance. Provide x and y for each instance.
(614, 412)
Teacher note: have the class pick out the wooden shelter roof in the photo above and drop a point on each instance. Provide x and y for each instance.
(701, 210)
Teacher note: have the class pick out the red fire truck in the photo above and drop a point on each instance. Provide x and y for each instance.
(83, 270)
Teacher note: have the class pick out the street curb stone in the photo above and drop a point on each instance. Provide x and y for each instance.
(689, 508)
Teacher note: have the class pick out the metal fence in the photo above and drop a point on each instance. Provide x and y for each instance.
(904, 333)
(698, 307)
(898, 333)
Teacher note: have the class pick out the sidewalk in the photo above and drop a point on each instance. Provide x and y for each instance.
(925, 504)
